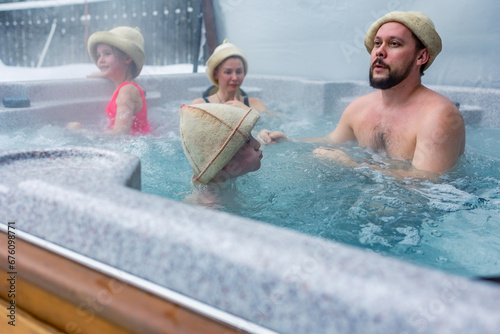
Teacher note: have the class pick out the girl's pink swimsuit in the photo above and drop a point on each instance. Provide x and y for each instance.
(140, 126)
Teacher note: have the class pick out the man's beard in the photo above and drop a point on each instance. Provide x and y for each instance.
(393, 79)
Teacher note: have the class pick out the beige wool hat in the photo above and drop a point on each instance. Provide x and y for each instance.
(419, 23)
(127, 39)
(221, 53)
(211, 134)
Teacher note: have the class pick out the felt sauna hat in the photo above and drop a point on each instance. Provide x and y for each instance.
(211, 135)
(221, 53)
(419, 23)
(127, 39)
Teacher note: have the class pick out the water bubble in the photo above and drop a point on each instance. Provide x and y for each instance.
(368, 235)
(431, 223)
(442, 259)
(412, 236)
(436, 233)
(358, 212)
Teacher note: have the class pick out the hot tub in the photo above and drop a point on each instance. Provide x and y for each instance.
(84, 203)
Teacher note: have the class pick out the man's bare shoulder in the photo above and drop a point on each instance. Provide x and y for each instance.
(436, 105)
(440, 133)
(441, 116)
(362, 102)
(429, 96)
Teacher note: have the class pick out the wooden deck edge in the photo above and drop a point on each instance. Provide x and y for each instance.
(24, 323)
(77, 299)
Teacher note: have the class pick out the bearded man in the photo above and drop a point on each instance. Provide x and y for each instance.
(403, 118)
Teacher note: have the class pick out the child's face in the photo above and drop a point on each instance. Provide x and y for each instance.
(246, 160)
(111, 61)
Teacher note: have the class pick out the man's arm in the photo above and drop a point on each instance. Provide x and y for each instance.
(440, 140)
(439, 144)
(343, 133)
(341, 157)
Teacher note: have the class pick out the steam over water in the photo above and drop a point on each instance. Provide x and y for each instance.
(452, 224)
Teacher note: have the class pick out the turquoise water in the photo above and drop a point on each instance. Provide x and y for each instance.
(452, 224)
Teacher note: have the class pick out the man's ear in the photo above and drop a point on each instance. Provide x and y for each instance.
(128, 60)
(423, 57)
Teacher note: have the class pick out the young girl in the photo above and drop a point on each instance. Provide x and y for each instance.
(119, 55)
(226, 68)
(219, 146)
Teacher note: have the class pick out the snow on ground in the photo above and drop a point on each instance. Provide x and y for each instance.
(13, 73)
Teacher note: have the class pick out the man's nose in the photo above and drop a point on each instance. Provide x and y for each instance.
(380, 51)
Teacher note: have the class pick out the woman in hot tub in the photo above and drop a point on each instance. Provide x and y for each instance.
(226, 68)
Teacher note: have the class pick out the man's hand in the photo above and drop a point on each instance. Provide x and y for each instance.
(268, 137)
(335, 155)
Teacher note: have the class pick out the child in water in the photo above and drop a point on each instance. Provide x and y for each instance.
(219, 146)
(119, 55)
